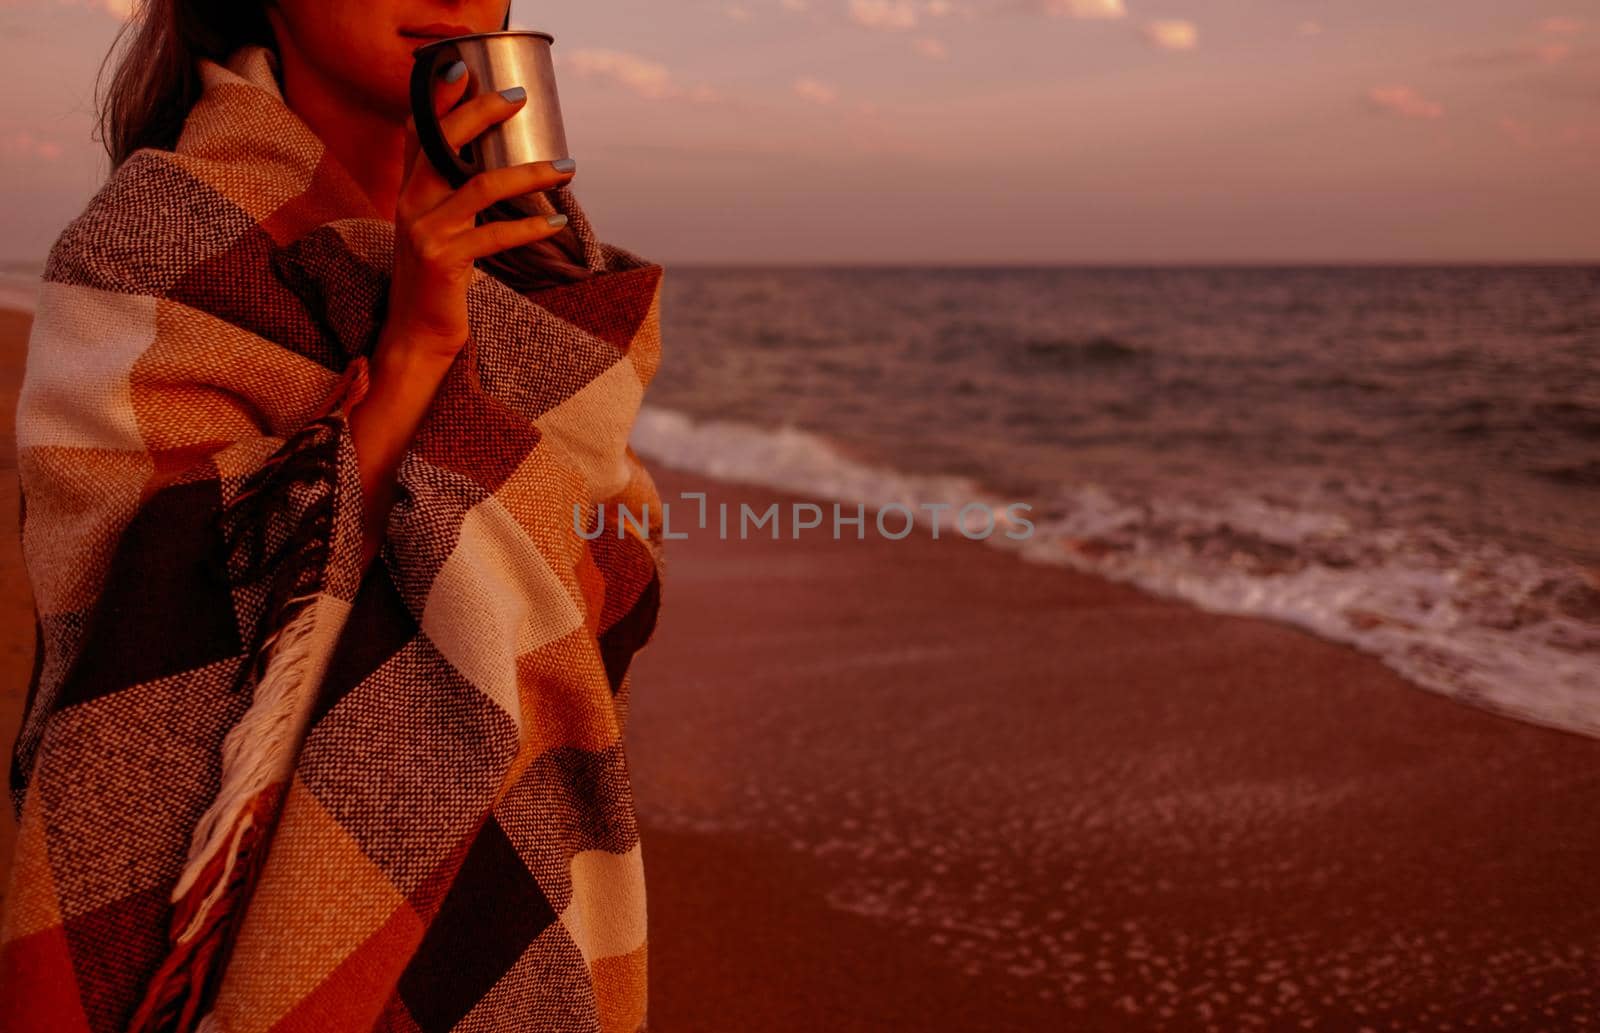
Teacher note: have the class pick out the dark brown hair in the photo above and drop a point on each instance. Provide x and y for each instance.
(154, 82)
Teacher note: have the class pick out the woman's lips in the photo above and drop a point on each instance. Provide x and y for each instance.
(437, 30)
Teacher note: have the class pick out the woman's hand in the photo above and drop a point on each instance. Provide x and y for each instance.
(436, 240)
(436, 234)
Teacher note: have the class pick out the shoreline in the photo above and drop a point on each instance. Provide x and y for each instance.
(1435, 604)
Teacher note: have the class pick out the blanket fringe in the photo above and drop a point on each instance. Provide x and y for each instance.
(229, 844)
(187, 977)
(259, 748)
(310, 455)
(230, 840)
(350, 388)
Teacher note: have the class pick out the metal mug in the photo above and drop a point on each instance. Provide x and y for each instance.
(496, 61)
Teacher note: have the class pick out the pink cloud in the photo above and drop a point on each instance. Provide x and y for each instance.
(1569, 139)
(122, 9)
(1553, 53)
(1561, 26)
(1171, 34)
(1404, 101)
(815, 90)
(884, 14)
(647, 78)
(1549, 53)
(1083, 8)
(26, 145)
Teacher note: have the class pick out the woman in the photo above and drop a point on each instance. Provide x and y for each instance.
(324, 730)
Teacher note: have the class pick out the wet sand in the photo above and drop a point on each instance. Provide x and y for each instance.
(1016, 797)
(920, 785)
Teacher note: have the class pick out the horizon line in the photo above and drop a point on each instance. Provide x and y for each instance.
(1219, 263)
(37, 264)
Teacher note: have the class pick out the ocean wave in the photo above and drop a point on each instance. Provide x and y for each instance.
(1339, 382)
(1586, 475)
(1511, 632)
(1574, 418)
(960, 339)
(792, 459)
(1071, 352)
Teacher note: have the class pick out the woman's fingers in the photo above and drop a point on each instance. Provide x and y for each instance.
(468, 121)
(425, 187)
(439, 222)
(484, 189)
(494, 237)
(449, 86)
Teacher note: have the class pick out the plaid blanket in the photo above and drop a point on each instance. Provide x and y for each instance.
(258, 786)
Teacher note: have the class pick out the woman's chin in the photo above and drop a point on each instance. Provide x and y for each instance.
(390, 97)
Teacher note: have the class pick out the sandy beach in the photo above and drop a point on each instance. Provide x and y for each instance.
(16, 599)
(921, 785)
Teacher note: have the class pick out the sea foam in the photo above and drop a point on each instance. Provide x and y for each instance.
(1511, 632)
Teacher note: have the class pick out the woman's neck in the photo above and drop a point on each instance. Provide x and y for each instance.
(368, 143)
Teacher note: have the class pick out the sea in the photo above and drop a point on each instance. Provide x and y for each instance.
(1403, 459)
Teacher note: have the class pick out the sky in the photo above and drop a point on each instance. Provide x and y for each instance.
(999, 131)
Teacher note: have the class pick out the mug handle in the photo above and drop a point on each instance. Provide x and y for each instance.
(429, 134)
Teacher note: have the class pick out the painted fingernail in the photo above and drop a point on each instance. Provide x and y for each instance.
(564, 164)
(455, 71)
(514, 94)
(556, 220)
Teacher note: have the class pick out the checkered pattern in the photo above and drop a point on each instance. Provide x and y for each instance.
(261, 789)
